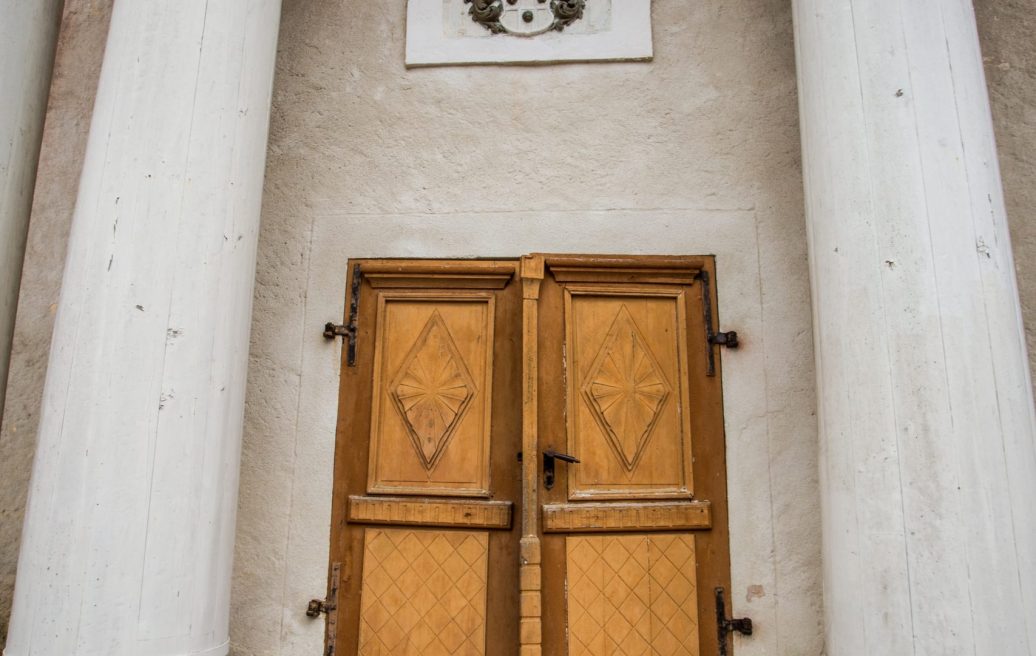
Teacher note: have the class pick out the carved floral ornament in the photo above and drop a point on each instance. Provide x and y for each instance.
(525, 17)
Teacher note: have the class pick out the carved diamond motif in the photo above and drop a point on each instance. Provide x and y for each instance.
(432, 391)
(626, 390)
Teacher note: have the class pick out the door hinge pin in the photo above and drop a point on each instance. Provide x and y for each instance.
(728, 339)
(332, 330)
(318, 606)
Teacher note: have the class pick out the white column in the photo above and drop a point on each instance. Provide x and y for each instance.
(928, 458)
(130, 521)
(28, 37)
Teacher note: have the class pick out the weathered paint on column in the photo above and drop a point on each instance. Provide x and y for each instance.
(928, 464)
(28, 38)
(129, 527)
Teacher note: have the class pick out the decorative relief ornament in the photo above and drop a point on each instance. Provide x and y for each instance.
(432, 391)
(525, 17)
(626, 390)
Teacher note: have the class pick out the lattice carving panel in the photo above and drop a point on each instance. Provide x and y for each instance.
(432, 393)
(628, 405)
(632, 595)
(423, 593)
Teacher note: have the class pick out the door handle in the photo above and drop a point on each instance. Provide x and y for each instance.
(549, 457)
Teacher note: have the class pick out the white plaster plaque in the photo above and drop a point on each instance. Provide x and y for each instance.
(443, 32)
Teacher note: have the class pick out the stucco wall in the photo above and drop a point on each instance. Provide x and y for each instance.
(695, 152)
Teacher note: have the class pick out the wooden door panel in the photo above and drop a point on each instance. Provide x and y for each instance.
(632, 594)
(423, 593)
(634, 535)
(433, 392)
(427, 483)
(628, 408)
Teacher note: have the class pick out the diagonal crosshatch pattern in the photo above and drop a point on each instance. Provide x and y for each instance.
(423, 593)
(632, 595)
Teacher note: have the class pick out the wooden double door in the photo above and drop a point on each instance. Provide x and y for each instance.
(529, 460)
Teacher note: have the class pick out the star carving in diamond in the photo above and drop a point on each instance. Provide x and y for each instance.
(626, 390)
(432, 391)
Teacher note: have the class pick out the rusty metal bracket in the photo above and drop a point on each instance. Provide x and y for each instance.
(328, 606)
(728, 339)
(348, 331)
(316, 607)
(713, 338)
(724, 626)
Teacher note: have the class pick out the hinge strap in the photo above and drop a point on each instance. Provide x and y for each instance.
(328, 606)
(348, 331)
(712, 338)
(725, 627)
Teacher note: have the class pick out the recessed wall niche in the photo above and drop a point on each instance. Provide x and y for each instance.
(445, 32)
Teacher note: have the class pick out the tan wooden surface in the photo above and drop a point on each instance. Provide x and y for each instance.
(633, 594)
(430, 512)
(460, 274)
(627, 391)
(530, 573)
(424, 592)
(607, 517)
(433, 392)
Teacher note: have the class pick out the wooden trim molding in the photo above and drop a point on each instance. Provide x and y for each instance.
(530, 569)
(388, 274)
(604, 268)
(422, 512)
(605, 517)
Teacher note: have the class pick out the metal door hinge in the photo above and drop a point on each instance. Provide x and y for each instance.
(328, 606)
(349, 330)
(318, 606)
(724, 626)
(713, 338)
(728, 339)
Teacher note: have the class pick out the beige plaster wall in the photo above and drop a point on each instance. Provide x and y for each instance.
(695, 152)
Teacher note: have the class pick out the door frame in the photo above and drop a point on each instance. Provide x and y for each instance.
(530, 276)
